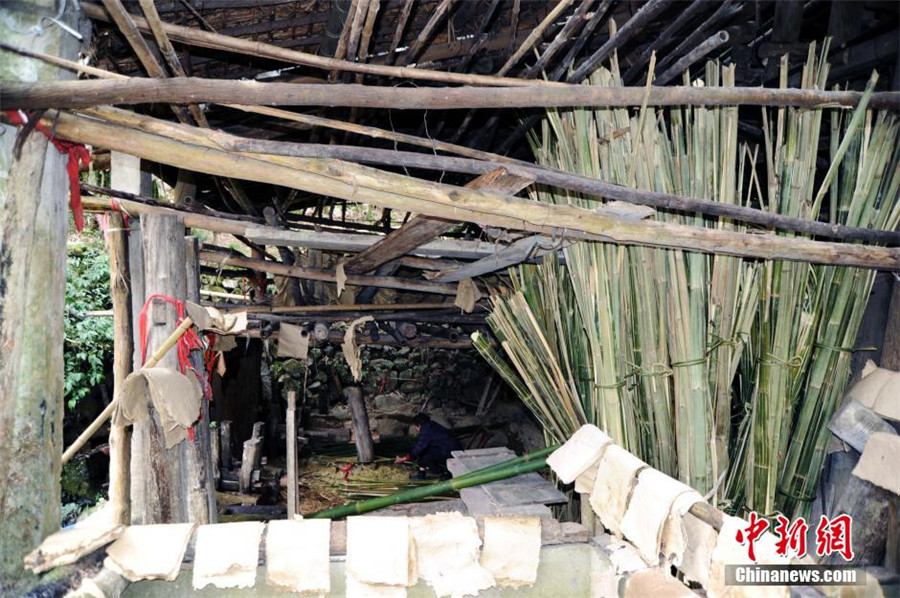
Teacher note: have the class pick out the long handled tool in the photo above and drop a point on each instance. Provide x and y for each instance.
(106, 413)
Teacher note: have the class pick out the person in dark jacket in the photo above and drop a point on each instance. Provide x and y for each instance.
(432, 449)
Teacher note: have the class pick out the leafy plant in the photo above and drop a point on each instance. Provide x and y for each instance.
(88, 340)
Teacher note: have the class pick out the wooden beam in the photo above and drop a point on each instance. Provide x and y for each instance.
(87, 93)
(387, 282)
(215, 41)
(336, 337)
(359, 183)
(304, 310)
(480, 36)
(421, 229)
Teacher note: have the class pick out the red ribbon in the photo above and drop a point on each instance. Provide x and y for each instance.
(78, 155)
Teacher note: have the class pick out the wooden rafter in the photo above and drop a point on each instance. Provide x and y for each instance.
(398, 32)
(205, 39)
(534, 36)
(442, 10)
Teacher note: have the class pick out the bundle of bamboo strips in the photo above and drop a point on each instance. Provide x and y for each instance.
(712, 368)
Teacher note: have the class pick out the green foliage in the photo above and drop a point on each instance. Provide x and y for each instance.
(88, 340)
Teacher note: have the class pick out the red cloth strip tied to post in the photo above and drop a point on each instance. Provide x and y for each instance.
(78, 155)
(188, 342)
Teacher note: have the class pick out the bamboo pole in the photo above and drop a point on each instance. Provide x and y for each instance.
(542, 174)
(87, 93)
(106, 413)
(357, 183)
(215, 41)
(711, 44)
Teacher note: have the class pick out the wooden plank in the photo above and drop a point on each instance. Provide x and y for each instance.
(421, 229)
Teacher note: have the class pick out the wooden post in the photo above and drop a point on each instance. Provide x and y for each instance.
(159, 484)
(362, 435)
(291, 434)
(200, 463)
(225, 446)
(120, 436)
(216, 456)
(34, 191)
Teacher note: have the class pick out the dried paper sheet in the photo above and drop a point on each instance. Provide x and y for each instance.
(227, 554)
(467, 295)
(69, 545)
(378, 550)
(584, 483)
(879, 390)
(293, 341)
(512, 549)
(150, 551)
(578, 453)
(213, 320)
(616, 477)
(729, 552)
(649, 508)
(877, 463)
(447, 546)
(297, 555)
(175, 396)
(351, 351)
(699, 542)
(674, 540)
(340, 277)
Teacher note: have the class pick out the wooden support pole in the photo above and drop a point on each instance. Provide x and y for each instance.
(291, 436)
(437, 16)
(358, 183)
(160, 491)
(200, 464)
(88, 92)
(120, 436)
(362, 435)
(34, 190)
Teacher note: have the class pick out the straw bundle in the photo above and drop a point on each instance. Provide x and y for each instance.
(712, 368)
